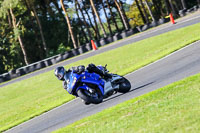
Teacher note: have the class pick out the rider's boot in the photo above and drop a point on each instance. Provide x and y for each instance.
(86, 103)
(107, 76)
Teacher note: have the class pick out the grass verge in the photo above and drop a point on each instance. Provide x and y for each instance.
(174, 108)
(26, 99)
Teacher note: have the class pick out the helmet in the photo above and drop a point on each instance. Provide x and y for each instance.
(60, 72)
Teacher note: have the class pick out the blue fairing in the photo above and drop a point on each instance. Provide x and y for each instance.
(73, 79)
(92, 78)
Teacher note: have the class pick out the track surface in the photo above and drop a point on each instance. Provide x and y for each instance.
(179, 65)
(180, 23)
(172, 68)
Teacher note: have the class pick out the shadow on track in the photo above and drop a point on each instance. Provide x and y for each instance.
(140, 87)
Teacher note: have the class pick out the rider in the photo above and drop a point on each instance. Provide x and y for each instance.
(60, 72)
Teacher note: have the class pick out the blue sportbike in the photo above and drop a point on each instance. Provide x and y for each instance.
(92, 88)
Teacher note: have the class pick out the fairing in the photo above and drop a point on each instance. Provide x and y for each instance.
(72, 79)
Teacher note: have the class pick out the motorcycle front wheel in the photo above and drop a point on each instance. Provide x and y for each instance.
(95, 98)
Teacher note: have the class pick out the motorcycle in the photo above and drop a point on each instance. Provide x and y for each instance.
(92, 88)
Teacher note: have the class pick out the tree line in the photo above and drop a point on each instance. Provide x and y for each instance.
(31, 30)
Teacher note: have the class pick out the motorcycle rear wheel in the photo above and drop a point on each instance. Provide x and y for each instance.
(83, 94)
(124, 86)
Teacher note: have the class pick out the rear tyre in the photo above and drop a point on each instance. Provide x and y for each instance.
(88, 98)
(124, 86)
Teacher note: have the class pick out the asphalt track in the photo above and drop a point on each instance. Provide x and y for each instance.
(174, 67)
(180, 23)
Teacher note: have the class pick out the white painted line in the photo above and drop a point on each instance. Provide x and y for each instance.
(150, 31)
(162, 28)
(130, 73)
(125, 75)
(41, 115)
(164, 57)
(79, 98)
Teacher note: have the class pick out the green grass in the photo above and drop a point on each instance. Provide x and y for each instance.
(174, 108)
(26, 99)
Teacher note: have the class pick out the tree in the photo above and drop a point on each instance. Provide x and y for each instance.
(141, 13)
(167, 6)
(96, 32)
(9, 49)
(157, 8)
(32, 7)
(109, 27)
(173, 8)
(183, 4)
(198, 1)
(150, 11)
(118, 15)
(121, 14)
(82, 29)
(124, 14)
(96, 25)
(145, 13)
(15, 27)
(178, 5)
(29, 29)
(7, 9)
(59, 9)
(69, 25)
(112, 16)
(97, 15)
(84, 20)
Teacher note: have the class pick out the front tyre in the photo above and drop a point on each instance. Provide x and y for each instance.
(95, 98)
(124, 86)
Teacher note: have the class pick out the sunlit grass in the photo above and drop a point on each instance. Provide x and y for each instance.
(26, 99)
(174, 108)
